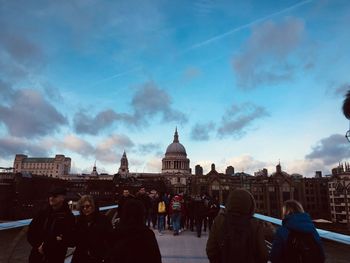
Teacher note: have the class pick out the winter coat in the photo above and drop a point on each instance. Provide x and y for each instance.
(200, 211)
(92, 239)
(53, 229)
(146, 201)
(240, 203)
(122, 200)
(300, 222)
(134, 244)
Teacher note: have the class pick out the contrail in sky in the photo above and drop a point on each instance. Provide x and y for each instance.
(216, 38)
(118, 75)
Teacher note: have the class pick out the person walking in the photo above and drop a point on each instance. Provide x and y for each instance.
(161, 214)
(122, 199)
(142, 196)
(235, 235)
(213, 210)
(199, 214)
(92, 234)
(175, 210)
(297, 239)
(132, 241)
(50, 231)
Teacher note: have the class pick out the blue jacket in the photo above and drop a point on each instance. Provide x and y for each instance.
(297, 221)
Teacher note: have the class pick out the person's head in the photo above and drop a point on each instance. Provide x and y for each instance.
(57, 197)
(142, 190)
(126, 192)
(86, 205)
(291, 206)
(240, 202)
(133, 212)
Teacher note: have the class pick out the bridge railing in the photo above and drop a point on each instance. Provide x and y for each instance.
(344, 239)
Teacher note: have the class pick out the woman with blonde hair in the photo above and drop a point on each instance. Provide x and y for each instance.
(297, 239)
(92, 235)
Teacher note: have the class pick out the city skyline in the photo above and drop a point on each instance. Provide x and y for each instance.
(247, 83)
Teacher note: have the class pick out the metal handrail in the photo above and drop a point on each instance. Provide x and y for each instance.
(340, 238)
(26, 222)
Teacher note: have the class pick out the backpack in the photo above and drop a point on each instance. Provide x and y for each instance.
(237, 240)
(176, 206)
(302, 247)
(161, 207)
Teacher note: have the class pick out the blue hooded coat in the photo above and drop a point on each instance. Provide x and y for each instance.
(300, 222)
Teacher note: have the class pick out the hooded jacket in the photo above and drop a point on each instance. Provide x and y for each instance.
(240, 204)
(300, 222)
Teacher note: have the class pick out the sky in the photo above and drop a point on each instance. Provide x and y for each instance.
(247, 83)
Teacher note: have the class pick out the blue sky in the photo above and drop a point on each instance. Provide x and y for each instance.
(247, 83)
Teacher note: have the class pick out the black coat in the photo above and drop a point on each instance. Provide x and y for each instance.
(200, 210)
(92, 239)
(134, 244)
(45, 228)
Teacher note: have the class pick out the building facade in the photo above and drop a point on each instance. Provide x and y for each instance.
(51, 167)
(339, 192)
(174, 177)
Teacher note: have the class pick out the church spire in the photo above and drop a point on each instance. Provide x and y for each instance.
(124, 166)
(94, 170)
(176, 136)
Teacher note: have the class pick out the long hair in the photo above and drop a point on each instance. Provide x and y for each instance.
(86, 198)
(346, 105)
(293, 206)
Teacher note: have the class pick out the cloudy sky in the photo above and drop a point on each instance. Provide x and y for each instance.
(247, 83)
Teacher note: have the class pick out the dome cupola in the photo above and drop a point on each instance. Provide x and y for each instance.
(176, 148)
(175, 160)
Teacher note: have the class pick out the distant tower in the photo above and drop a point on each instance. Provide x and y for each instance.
(94, 172)
(230, 170)
(124, 166)
(278, 168)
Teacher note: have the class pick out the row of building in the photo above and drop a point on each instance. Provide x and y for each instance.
(326, 197)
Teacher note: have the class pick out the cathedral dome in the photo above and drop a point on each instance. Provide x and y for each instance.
(176, 147)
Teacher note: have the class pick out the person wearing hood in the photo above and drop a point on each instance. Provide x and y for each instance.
(93, 232)
(132, 241)
(50, 231)
(295, 220)
(237, 225)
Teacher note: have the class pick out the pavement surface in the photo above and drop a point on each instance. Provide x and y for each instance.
(186, 247)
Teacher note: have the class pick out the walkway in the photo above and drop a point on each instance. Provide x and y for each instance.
(186, 247)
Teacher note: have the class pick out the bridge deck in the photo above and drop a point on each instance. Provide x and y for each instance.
(185, 248)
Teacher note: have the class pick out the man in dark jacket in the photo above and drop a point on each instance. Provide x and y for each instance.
(247, 233)
(199, 214)
(50, 232)
(142, 196)
(125, 197)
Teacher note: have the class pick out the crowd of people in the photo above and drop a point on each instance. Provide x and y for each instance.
(174, 212)
(128, 237)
